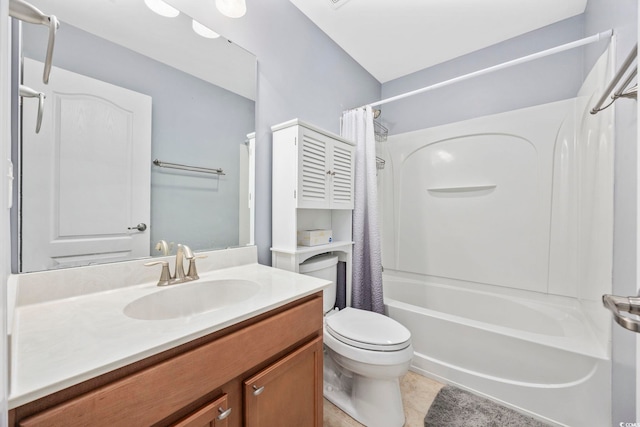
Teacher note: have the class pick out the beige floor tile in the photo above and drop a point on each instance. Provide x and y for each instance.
(418, 393)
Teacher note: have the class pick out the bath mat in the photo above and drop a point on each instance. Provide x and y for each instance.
(454, 407)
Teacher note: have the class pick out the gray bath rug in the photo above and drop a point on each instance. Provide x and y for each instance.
(454, 407)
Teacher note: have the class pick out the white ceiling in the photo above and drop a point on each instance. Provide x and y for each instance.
(393, 38)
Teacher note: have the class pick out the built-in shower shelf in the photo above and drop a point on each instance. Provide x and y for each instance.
(462, 189)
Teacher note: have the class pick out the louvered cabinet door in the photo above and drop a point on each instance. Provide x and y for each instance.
(341, 177)
(313, 173)
(325, 175)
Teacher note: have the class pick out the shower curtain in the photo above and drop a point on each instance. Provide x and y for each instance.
(366, 292)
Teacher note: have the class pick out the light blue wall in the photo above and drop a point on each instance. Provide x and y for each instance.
(193, 122)
(301, 73)
(621, 15)
(545, 80)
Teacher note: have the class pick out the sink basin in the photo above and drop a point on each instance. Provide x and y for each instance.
(187, 299)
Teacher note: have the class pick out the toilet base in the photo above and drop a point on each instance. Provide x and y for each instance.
(372, 402)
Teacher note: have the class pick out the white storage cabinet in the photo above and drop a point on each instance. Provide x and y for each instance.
(312, 188)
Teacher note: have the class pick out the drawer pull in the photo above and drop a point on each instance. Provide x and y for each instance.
(257, 390)
(223, 414)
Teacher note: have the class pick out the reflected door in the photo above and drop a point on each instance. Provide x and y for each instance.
(86, 175)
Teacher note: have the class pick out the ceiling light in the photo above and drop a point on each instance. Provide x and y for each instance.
(203, 31)
(232, 8)
(162, 8)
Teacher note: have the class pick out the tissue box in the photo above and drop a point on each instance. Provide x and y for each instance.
(314, 237)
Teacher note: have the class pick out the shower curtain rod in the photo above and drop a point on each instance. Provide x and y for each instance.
(587, 40)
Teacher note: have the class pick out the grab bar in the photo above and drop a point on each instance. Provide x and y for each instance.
(27, 92)
(26, 12)
(218, 171)
(621, 91)
(618, 304)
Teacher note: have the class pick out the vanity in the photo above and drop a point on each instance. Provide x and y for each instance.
(77, 359)
(102, 344)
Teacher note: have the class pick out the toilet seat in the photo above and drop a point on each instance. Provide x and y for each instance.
(367, 330)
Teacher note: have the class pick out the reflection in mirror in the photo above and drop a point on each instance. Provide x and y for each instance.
(130, 86)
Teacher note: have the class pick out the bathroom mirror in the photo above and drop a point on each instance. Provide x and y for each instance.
(197, 98)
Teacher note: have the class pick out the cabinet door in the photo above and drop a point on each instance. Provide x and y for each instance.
(287, 393)
(342, 165)
(213, 414)
(313, 172)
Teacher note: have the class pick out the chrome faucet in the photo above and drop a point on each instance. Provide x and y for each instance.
(166, 278)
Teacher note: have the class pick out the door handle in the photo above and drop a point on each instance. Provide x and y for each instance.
(140, 227)
(617, 305)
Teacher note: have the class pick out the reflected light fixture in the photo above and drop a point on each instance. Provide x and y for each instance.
(232, 8)
(203, 31)
(162, 8)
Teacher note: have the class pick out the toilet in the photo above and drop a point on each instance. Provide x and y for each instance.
(365, 355)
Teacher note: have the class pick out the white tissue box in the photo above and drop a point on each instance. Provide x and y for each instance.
(314, 237)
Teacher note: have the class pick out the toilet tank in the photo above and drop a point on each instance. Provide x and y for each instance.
(323, 266)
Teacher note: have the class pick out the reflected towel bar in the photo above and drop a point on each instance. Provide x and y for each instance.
(188, 168)
(466, 188)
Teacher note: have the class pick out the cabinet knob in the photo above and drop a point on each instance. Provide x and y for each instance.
(223, 414)
(257, 390)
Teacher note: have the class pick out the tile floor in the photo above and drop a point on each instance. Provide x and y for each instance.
(418, 393)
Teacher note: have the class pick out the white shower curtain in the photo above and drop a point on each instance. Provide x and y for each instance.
(366, 292)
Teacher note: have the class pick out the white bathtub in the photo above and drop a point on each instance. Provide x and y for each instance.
(535, 355)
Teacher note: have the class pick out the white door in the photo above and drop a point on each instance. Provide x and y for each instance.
(86, 175)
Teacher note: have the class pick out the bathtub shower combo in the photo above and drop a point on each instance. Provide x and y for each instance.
(497, 246)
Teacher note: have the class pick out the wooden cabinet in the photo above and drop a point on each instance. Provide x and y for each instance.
(288, 392)
(214, 414)
(195, 384)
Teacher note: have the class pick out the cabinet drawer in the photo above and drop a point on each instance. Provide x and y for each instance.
(214, 414)
(151, 395)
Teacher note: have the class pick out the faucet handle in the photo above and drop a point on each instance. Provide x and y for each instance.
(193, 272)
(165, 274)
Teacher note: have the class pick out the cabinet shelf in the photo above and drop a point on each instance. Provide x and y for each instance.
(333, 246)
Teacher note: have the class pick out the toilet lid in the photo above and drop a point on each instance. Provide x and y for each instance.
(368, 330)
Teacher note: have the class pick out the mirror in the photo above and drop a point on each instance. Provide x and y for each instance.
(199, 97)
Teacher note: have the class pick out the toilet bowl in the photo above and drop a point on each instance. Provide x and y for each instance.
(365, 355)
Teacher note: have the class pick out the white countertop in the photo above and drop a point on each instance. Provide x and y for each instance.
(59, 343)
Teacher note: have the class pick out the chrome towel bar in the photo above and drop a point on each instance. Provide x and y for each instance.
(27, 92)
(629, 305)
(26, 12)
(622, 91)
(188, 168)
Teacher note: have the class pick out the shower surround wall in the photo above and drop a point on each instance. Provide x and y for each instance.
(513, 205)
